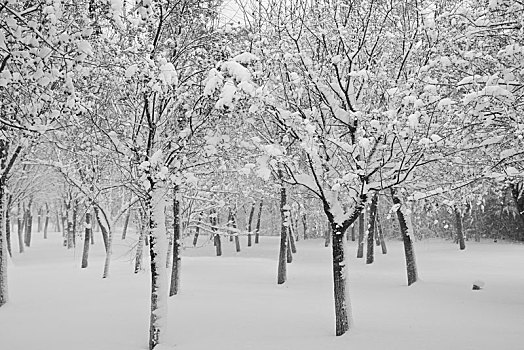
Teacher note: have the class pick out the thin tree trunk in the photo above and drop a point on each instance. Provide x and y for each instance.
(460, 232)
(8, 225)
(20, 229)
(381, 237)
(39, 220)
(58, 222)
(257, 229)
(46, 223)
(304, 225)
(284, 217)
(140, 244)
(370, 254)
(197, 230)
(3, 245)
(353, 237)
(361, 231)
(107, 236)
(28, 224)
(213, 218)
(250, 224)
(175, 270)
(292, 244)
(85, 253)
(74, 219)
(409, 251)
(126, 223)
(69, 218)
(237, 239)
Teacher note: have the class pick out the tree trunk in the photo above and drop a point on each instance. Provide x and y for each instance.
(58, 229)
(3, 245)
(370, 254)
(46, 223)
(291, 243)
(20, 228)
(39, 220)
(85, 253)
(343, 314)
(213, 218)
(460, 231)
(353, 237)
(157, 251)
(28, 224)
(75, 212)
(409, 251)
(108, 239)
(517, 192)
(289, 252)
(257, 230)
(69, 218)
(8, 226)
(361, 231)
(235, 231)
(126, 223)
(175, 270)
(304, 225)
(197, 230)
(250, 224)
(140, 244)
(327, 236)
(381, 237)
(284, 217)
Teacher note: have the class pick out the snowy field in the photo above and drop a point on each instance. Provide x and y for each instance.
(233, 302)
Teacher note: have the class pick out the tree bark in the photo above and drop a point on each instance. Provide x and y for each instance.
(284, 217)
(157, 251)
(289, 252)
(197, 230)
(343, 314)
(257, 229)
(517, 192)
(8, 225)
(370, 254)
(327, 236)
(39, 220)
(69, 217)
(20, 228)
(175, 270)
(250, 224)
(85, 253)
(46, 223)
(3, 245)
(409, 251)
(361, 231)
(460, 231)
(381, 237)
(237, 239)
(74, 219)
(304, 225)
(28, 224)
(126, 223)
(213, 218)
(140, 244)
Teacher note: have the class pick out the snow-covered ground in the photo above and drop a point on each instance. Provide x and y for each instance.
(233, 302)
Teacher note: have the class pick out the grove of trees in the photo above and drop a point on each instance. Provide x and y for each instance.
(296, 118)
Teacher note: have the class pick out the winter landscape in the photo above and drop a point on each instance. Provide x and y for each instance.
(186, 174)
